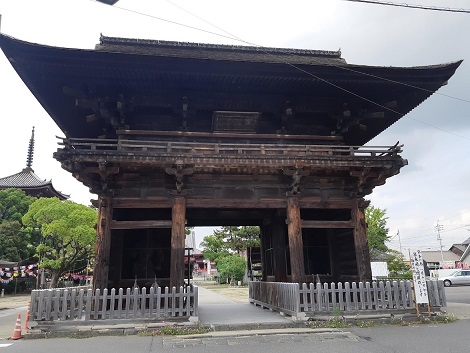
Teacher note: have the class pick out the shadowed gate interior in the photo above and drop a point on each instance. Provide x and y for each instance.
(144, 254)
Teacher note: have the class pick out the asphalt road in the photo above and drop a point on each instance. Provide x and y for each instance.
(441, 338)
(458, 294)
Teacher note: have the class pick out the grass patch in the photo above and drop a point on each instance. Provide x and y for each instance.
(366, 323)
(331, 323)
(445, 319)
(175, 330)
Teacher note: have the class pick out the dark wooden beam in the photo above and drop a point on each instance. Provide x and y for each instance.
(327, 224)
(222, 135)
(310, 202)
(141, 224)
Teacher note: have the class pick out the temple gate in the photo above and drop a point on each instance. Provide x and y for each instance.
(172, 134)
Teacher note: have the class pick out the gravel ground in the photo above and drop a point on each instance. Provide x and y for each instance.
(237, 294)
(14, 301)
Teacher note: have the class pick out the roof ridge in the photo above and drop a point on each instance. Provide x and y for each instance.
(156, 42)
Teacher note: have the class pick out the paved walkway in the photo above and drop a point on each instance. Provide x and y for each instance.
(215, 309)
(8, 320)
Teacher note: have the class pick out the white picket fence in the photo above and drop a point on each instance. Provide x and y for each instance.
(83, 304)
(326, 298)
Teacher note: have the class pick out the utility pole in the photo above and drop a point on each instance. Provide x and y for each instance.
(399, 239)
(439, 228)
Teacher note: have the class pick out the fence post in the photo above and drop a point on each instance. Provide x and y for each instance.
(362, 296)
(104, 304)
(65, 294)
(112, 303)
(88, 304)
(73, 298)
(340, 296)
(196, 301)
(143, 301)
(34, 304)
(159, 302)
(96, 304)
(55, 304)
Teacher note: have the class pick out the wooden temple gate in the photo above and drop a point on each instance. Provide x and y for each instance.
(318, 230)
(171, 134)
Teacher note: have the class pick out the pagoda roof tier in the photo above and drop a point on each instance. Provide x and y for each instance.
(159, 85)
(30, 183)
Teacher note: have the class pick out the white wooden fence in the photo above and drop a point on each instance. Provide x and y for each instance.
(325, 298)
(83, 304)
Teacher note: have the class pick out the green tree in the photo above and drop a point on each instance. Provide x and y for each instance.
(377, 231)
(397, 265)
(16, 242)
(231, 267)
(242, 238)
(377, 234)
(14, 203)
(213, 246)
(68, 231)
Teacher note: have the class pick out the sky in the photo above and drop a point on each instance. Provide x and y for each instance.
(433, 188)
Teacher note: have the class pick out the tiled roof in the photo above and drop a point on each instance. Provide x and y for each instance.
(435, 256)
(219, 52)
(28, 180)
(25, 178)
(461, 247)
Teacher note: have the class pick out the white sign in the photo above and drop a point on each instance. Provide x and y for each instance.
(419, 278)
(379, 269)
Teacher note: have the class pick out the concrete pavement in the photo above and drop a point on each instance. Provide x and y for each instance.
(8, 320)
(223, 314)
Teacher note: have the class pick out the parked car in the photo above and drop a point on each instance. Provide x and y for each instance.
(458, 277)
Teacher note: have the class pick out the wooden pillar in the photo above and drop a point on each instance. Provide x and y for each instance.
(360, 242)
(178, 217)
(278, 237)
(103, 242)
(296, 249)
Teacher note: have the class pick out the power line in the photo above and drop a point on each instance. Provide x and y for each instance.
(233, 37)
(411, 6)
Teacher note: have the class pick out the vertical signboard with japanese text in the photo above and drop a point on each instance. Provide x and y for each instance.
(419, 278)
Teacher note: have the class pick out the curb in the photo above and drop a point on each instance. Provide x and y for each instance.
(72, 330)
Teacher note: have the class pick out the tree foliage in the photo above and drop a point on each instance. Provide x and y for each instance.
(377, 234)
(228, 240)
(68, 231)
(377, 231)
(16, 243)
(14, 203)
(231, 267)
(397, 265)
(213, 246)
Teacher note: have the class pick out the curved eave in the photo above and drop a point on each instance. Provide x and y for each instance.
(47, 70)
(46, 190)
